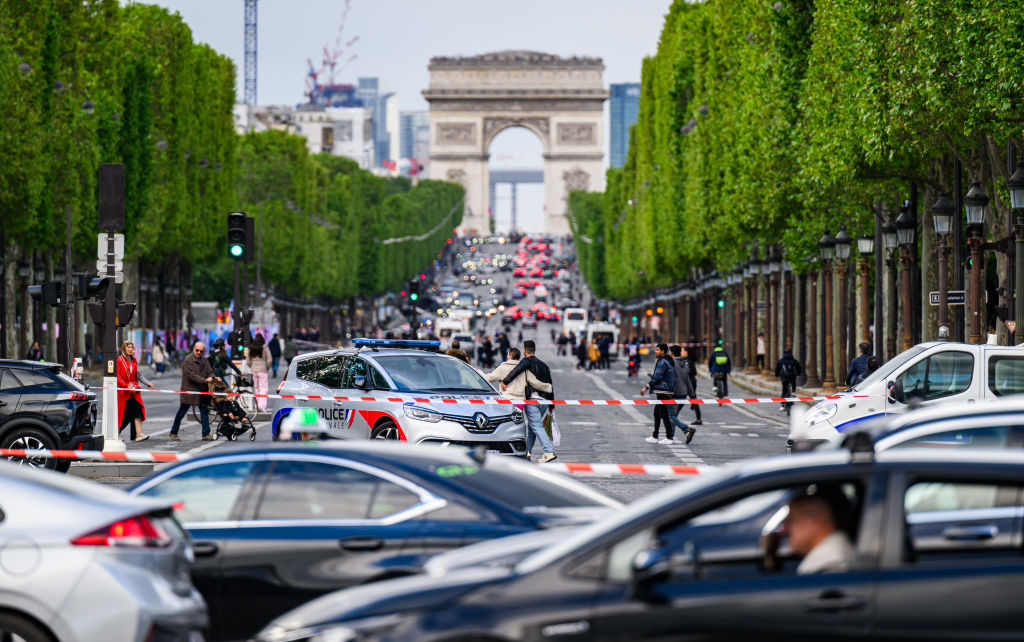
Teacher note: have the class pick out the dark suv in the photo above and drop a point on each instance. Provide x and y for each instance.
(41, 407)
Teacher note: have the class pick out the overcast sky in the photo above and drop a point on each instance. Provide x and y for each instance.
(397, 38)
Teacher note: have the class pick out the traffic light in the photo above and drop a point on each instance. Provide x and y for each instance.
(236, 234)
(124, 313)
(414, 290)
(90, 285)
(721, 303)
(634, 319)
(49, 293)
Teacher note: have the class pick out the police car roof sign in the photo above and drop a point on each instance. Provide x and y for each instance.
(395, 343)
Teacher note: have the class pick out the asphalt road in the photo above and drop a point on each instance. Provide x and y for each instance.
(595, 434)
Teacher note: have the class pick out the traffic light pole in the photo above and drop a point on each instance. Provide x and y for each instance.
(111, 437)
(68, 327)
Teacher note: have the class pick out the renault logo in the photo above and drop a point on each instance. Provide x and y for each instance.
(481, 420)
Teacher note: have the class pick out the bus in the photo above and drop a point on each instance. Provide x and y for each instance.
(574, 320)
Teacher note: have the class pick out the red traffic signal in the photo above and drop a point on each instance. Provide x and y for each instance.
(403, 292)
(423, 277)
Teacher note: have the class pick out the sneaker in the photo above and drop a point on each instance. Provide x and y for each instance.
(547, 457)
(174, 437)
(690, 433)
(142, 438)
(208, 438)
(697, 423)
(651, 440)
(666, 442)
(782, 408)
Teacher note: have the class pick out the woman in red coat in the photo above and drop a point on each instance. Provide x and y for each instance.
(129, 402)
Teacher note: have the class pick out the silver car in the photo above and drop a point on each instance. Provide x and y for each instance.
(382, 369)
(83, 562)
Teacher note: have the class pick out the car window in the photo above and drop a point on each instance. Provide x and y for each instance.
(318, 490)
(422, 372)
(1001, 437)
(35, 377)
(207, 493)
(956, 520)
(377, 380)
(354, 368)
(1006, 375)
(940, 375)
(325, 371)
(8, 381)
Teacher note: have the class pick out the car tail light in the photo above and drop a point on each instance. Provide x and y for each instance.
(71, 396)
(133, 532)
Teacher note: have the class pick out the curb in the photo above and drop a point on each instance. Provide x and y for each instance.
(108, 470)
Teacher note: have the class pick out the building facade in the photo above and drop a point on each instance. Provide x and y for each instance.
(342, 131)
(624, 105)
(415, 136)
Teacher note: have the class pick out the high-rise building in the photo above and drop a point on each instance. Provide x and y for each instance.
(416, 135)
(624, 104)
(383, 105)
(392, 127)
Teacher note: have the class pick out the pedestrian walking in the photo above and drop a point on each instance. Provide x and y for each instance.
(563, 342)
(259, 360)
(787, 370)
(859, 366)
(275, 353)
(582, 355)
(35, 352)
(720, 368)
(683, 390)
(503, 346)
(159, 357)
(130, 409)
(604, 346)
(593, 355)
(196, 375)
(457, 352)
(662, 384)
(760, 351)
(690, 369)
(538, 381)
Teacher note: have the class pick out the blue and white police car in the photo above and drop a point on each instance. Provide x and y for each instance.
(380, 376)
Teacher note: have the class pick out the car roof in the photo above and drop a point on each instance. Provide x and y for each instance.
(24, 363)
(368, 352)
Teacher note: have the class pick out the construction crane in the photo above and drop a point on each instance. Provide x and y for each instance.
(315, 81)
(250, 52)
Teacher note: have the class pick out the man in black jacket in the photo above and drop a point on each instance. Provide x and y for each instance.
(687, 366)
(787, 370)
(534, 413)
(663, 384)
(684, 390)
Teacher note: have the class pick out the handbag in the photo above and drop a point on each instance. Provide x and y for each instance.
(551, 428)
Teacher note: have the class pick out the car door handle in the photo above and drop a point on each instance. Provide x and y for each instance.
(970, 533)
(361, 543)
(205, 549)
(834, 601)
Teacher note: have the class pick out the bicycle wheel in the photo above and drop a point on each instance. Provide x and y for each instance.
(247, 401)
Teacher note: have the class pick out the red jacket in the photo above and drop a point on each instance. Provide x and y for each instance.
(127, 376)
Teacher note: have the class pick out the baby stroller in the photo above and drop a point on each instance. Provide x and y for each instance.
(232, 420)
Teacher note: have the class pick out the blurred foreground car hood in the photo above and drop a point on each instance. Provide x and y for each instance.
(396, 596)
(503, 552)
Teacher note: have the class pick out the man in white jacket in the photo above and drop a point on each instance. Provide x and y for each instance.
(516, 390)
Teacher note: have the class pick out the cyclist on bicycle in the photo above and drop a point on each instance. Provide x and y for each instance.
(221, 362)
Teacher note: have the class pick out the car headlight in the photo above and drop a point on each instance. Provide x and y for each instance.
(422, 414)
(820, 414)
(517, 417)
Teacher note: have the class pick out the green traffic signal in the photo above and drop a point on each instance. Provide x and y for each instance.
(414, 296)
(634, 319)
(721, 303)
(236, 251)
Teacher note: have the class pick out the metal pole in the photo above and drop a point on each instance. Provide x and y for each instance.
(943, 283)
(844, 317)
(812, 329)
(975, 242)
(67, 328)
(907, 261)
(829, 384)
(958, 243)
(891, 304)
(111, 437)
(3, 294)
(879, 284)
(865, 305)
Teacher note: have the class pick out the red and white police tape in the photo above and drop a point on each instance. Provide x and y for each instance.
(490, 401)
(654, 470)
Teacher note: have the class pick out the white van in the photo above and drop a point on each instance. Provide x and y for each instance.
(574, 320)
(599, 330)
(926, 374)
(445, 328)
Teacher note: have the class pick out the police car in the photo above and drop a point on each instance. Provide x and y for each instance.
(392, 372)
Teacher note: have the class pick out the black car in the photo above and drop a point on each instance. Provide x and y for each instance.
(43, 408)
(936, 554)
(277, 526)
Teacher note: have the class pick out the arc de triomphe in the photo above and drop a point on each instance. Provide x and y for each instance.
(472, 99)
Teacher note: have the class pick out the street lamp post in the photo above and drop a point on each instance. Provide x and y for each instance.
(812, 326)
(866, 248)
(827, 248)
(1016, 188)
(976, 201)
(775, 278)
(736, 282)
(769, 305)
(843, 242)
(942, 219)
(905, 228)
(891, 242)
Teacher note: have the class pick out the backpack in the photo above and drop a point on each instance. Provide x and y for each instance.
(787, 370)
(720, 357)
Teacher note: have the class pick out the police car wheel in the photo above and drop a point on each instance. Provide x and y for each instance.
(386, 430)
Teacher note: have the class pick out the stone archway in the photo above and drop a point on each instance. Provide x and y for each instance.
(473, 99)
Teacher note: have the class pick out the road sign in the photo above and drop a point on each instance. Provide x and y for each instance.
(1011, 326)
(101, 246)
(953, 297)
(101, 267)
(762, 305)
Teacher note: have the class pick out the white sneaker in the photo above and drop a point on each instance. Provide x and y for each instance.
(651, 440)
(666, 442)
(547, 457)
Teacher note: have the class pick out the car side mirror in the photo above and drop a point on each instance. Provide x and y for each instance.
(359, 382)
(895, 391)
(655, 565)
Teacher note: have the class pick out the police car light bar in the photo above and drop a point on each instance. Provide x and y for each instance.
(395, 343)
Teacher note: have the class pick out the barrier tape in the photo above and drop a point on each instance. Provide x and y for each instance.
(490, 401)
(698, 344)
(655, 470)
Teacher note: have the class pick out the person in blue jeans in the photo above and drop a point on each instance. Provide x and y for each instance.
(196, 375)
(534, 413)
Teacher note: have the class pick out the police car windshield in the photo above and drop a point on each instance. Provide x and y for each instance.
(889, 367)
(436, 374)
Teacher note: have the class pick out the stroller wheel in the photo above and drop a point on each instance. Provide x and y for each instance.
(252, 435)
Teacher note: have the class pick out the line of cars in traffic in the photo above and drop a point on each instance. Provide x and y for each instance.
(295, 541)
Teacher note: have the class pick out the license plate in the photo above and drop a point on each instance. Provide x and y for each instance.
(493, 452)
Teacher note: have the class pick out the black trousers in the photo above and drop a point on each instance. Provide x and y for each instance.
(787, 390)
(661, 415)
